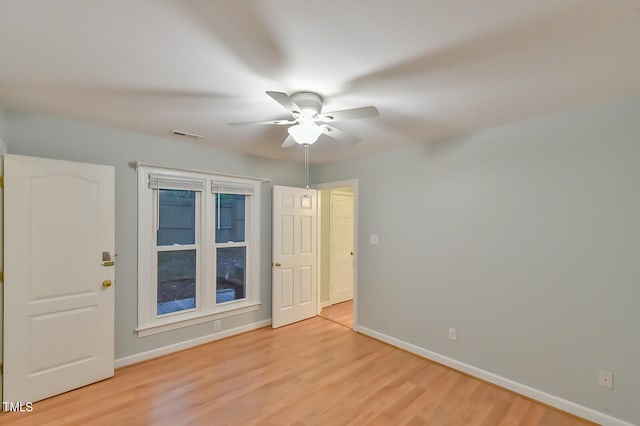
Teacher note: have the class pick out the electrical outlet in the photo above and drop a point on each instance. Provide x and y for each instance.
(452, 334)
(605, 379)
(217, 325)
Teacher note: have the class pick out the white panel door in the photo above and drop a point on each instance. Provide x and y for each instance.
(294, 255)
(59, 312)
(341, 250)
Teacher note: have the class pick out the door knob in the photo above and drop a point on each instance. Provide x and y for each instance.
(278, 264)
(106, 283)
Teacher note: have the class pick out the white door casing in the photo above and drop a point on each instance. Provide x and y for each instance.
(1, 261)
(341, 247)
(59, 304)
(294, 255)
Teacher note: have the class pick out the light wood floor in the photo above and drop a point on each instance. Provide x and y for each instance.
(314, 372)
(342, 313)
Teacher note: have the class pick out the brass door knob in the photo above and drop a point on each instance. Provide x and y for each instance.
(278, 264)
(106, 283)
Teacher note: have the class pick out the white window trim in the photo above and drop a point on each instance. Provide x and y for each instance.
(206, 308)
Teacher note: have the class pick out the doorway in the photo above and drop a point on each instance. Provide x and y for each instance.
(337, 235)
(340, 313)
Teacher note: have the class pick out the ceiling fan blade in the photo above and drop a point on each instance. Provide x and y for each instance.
(349, 114)
(242, 29)
(339, 135)
(276, 122)
(288, 142)
(284, 100)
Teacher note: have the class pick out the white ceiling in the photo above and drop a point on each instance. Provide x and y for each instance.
(433, 68)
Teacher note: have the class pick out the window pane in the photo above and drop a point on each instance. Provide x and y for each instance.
(176, 281)
(230, 282)
(177, 217)
(229, 216)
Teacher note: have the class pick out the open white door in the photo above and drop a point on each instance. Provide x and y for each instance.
(341, 249)
(294, 255)
(58, 311)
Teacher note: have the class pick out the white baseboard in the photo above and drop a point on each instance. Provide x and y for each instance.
(164, 350)
(538, 395)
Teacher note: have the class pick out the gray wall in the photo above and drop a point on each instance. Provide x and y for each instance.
(526, 238)
(43, 136)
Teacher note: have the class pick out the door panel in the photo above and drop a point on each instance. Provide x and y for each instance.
(305, 284)
(50, 224)
(306, 234)
(294, 255)
(54, 342)
(286, 244)
(59, 318)
(286, 281)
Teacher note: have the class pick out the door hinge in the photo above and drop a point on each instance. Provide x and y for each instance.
(1, 181)
(1, 276)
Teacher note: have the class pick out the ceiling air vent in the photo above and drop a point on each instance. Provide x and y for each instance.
(190, 135)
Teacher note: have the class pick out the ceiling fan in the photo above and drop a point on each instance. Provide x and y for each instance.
(308, 121)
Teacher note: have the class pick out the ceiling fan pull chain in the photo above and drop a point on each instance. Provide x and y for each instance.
(306, 166)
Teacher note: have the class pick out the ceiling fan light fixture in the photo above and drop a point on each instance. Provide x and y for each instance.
(308, 121)
(305, 133)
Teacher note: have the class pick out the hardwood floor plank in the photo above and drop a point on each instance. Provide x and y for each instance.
(315, 372)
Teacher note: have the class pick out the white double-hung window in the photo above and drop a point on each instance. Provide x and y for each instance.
(198, 247)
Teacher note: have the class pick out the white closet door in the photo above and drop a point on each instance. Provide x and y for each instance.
(59, 297)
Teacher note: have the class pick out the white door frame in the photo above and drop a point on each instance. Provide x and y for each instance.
(353, 184)
(2, 152)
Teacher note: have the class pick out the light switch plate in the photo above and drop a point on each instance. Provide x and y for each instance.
(374, 239)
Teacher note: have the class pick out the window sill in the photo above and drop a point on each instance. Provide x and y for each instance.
(194, 318)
